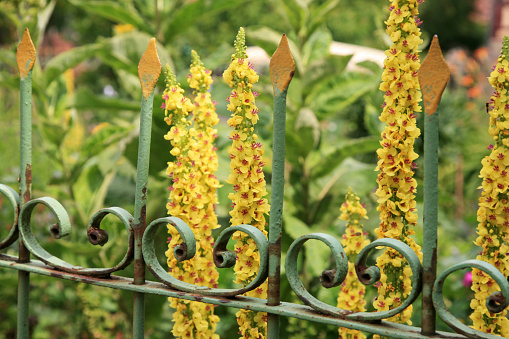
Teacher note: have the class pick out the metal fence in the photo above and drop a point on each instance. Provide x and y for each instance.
(140, 252)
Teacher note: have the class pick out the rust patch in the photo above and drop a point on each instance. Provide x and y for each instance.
(428, 309)
(282, 66)
(198, 298)
(274, 280)
(25, 55)
(28, 181)
(434, 75)
(149, 68)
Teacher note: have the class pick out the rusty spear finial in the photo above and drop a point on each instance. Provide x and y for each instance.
(433, 77)
(25, 55)
(282, 66)
(149, 68)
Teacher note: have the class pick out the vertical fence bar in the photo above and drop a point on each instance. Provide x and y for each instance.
(433, 77)
(282, 68)
(25, 57)
(149, 70)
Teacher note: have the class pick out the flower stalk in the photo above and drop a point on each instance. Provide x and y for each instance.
(247, 178)
(396, 185)
(351, 295)
(493, 212)
(192, 194)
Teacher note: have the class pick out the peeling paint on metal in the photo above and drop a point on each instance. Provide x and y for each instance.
(433, 77)
(25, 55)
(149, 69)
(282, 66)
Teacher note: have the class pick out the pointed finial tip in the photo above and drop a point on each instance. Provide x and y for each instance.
(282, 66)
(434, 75)
(149, 68)
(25, 55)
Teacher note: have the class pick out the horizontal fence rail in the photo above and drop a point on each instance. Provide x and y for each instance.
(140, 250)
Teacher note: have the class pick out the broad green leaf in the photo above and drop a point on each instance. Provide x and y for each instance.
(322, 70)
(350, 148)
(318, 15)
(317, 252)
(372, 66)
(371, 120)
(334, 95)
(103, 138)
(295, 11)
(84, 99)
(295, 227)
(68, 59)
(122, 12)
(90, 189)
(8, 57)
(308, 130)
(317, 46)
(190, 12)
(124, 51)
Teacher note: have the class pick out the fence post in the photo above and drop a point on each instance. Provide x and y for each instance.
(282, 68)
(433, 77)
(25, 57)
(149, 70)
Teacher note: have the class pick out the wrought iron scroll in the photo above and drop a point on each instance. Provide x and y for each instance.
(140, 247)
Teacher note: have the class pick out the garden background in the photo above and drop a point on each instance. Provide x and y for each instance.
(87, 103)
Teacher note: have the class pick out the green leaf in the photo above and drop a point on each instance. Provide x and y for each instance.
(90, 189)
(189, 13)
(308, 130)
(295, 227)
(84, 99)
(317, 46)
(319, 14)
(324, 69)
(103, 138)
(331, 96)
(372, 121)
(350, 148)
(68, 59)
(122, 12)
(125, 50)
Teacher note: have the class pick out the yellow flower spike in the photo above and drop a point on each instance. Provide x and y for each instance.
(493, 209)
(192, 199)
(396, 186)
(248, 180)
(351, 295)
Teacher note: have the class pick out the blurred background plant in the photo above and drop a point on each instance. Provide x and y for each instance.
(86, 110)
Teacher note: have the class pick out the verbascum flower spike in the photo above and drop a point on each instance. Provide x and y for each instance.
(189, 200)
(246, 175)
(351, 295)
(396, 185)
(493, 212)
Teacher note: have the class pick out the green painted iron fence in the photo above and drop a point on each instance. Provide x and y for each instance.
(140, 251)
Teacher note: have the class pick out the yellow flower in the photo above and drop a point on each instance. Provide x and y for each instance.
(493, 211)
(351, 295)
(396, 186)
(248, 180)
(192, 197)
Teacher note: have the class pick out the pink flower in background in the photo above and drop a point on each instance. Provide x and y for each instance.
(467, 279)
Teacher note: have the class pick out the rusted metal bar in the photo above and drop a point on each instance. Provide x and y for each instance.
(433, 77)
(149, 70)
(284, 309)
(282, 68)
(25, 57)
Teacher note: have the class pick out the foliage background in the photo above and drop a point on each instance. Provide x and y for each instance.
(87, 102)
